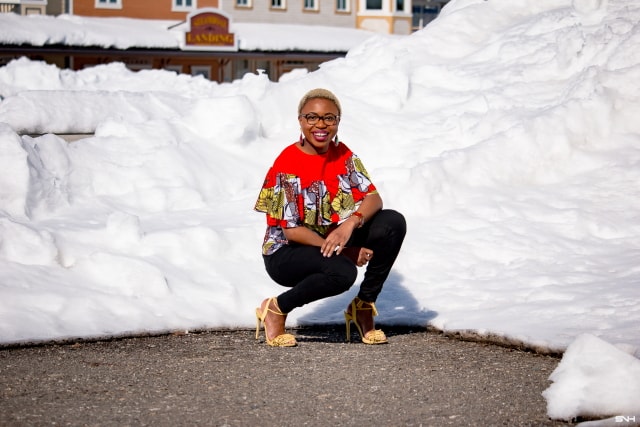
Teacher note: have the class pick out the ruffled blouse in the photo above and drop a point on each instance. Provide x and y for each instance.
(315, 191)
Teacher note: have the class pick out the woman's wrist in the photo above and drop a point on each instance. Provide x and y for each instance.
(359, 217)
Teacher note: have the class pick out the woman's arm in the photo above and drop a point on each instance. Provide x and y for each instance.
(303, 236)
(371, 204)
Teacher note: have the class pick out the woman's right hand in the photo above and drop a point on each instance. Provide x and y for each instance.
(359, 256)
(364, 256)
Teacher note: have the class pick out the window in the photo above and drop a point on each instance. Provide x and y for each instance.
(243, 3)
(108, 4)
(175, 68)
(310, 5)
(342, 6)
(184, 4)
(278, 4)
(374, 4)
(201, 70)
(399, 5)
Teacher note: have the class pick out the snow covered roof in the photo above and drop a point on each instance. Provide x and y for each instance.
(127, 33)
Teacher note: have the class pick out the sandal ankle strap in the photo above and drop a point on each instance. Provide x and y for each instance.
(358, 304)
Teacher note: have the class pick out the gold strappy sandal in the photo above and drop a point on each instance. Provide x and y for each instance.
(374, 336)
(283, 340)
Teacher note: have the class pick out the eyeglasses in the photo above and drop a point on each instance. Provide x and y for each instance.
(312, 118)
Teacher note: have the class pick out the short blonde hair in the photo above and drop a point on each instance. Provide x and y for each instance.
(319, 93)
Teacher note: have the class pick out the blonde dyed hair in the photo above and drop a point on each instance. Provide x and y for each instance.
(319, 93)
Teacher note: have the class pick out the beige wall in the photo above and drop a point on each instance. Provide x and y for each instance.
(24, 8)
(294, 13)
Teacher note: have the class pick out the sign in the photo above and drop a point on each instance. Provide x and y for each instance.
(208, 29)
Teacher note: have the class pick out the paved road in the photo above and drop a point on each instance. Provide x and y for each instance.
(226, 378)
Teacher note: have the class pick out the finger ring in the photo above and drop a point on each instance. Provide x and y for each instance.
(368, 255)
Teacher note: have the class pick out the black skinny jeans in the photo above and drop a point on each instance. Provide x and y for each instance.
(311, 276)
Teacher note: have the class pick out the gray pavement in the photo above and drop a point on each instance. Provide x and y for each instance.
(227, 378)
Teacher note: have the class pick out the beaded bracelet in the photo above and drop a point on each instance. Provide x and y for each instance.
(360, 218)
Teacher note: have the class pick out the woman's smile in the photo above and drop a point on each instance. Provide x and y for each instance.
(320, 136)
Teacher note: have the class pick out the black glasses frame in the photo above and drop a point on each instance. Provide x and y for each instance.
(327, 119)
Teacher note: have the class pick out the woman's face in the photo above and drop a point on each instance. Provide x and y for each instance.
(319, 134)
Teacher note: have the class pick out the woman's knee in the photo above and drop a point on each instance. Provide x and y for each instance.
(394, 220)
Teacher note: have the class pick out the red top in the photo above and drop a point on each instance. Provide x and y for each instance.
(315, 191)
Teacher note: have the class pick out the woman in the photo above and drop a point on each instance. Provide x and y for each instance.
(324, 218)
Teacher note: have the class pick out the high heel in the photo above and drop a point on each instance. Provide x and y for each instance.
(374, 336)
(283, 340)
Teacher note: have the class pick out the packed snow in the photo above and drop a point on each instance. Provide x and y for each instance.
(506, 131)
(595, 378)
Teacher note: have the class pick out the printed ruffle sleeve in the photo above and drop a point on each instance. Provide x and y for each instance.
(280, 198)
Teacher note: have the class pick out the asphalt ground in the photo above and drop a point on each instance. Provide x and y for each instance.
(227, 378)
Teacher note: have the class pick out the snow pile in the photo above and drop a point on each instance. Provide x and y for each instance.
(595, 378)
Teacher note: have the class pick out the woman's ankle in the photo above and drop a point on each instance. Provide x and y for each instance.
(275, 322)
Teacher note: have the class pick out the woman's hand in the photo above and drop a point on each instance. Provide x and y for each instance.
(359, 256)
(333, 244)
(364, 256)
(335, 241)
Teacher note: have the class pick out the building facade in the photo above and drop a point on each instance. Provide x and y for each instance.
(425, 11)
(24, 7)
(381, 16)
(385, 16)
(140, 9)
(330, 13)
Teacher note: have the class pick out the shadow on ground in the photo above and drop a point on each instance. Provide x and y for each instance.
(396, 307)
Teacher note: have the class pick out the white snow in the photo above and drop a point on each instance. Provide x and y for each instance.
(506, 131)
(598, 377)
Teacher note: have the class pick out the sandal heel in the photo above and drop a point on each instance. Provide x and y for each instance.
(374, 336)
(282, 340)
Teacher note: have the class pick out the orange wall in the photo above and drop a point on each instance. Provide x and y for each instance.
(144, 9)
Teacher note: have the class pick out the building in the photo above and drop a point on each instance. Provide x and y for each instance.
(425, 11)
(24, 7)
(214, 61)
(383, 16)
(220, 52)
(140, 9)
